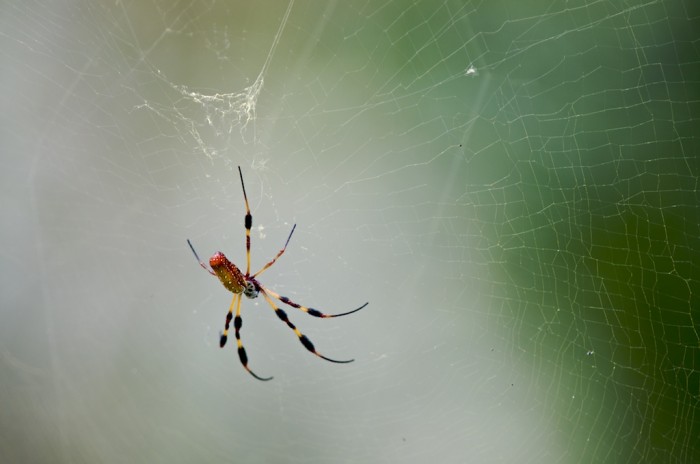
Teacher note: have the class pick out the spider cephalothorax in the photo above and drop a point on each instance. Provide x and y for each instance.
(251, 289)
(245, 284)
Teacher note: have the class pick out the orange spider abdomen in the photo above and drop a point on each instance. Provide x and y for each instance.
(228, 273)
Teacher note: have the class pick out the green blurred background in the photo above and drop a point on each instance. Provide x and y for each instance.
(513, 186)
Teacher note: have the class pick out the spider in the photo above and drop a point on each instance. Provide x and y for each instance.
(245, 284)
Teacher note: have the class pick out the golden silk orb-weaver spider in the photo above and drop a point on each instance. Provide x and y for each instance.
(245, 284)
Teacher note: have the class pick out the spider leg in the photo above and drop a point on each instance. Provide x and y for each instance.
(248, 225)
(237, 323)
(201, 263)
(311, 311)
(302, 338)
(265, 267)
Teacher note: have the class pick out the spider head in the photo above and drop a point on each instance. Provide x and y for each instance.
(251, 290)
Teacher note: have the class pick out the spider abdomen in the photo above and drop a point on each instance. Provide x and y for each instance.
(228, 273)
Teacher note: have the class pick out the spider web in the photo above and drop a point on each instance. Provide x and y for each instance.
(513, 186)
